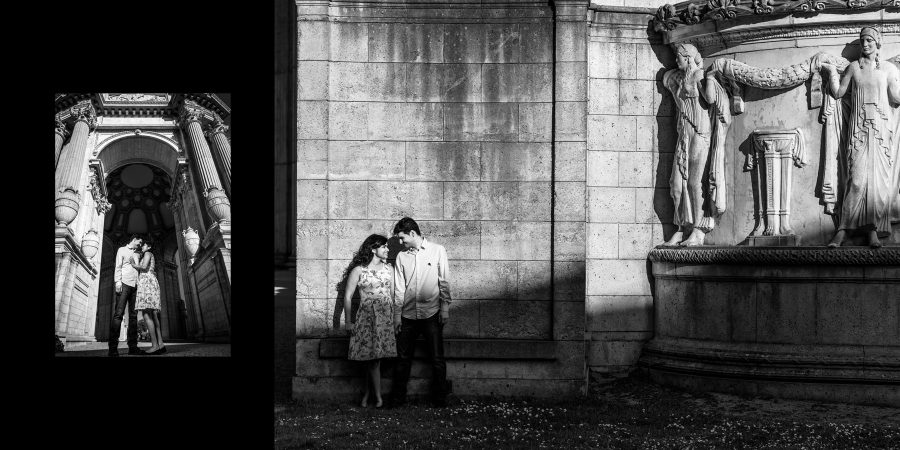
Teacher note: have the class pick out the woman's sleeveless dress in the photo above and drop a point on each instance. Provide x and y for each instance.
(374, 332)
(147, 289)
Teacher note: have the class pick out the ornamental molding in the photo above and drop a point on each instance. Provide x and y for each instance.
(191, 111)
(137, 98)
(778, 256)
(84, 112)
(669, 17)
(730, 39)
(61, 128)
(95, 186)
(170, 140)
(215, 127)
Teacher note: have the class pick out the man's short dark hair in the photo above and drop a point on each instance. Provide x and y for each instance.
(136, 236)
(405, 225)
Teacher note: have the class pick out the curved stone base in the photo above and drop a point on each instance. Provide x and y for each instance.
(801, 323)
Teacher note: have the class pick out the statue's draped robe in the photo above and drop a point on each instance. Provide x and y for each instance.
(871, 152)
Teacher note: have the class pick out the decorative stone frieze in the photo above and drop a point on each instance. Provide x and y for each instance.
(778, 256)
(95, 188)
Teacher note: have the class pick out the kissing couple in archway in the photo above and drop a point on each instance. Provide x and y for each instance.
(137, 287)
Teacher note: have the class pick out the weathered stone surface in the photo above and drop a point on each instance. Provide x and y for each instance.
(570, 121)
(785, 312)
(571, 161)
(313, 317)
(533, 203)
(602, 241)
(636, 97)
(653, 205)
(405, 121)
(616, 353)
(612, 60)
(385, 82)
(503, 240)
(366, 160)
(312, 40)
(569, 241)
(646, 134)
(502, 43)
(652, 61)
(483, 280)
(312, 159)
(536, 42)
(617, 277)
(570, 201)
(515, 161)
(312, 239)
(347, 120)
(387, 42)
(346, 199)
(602, 168)
(636, 169)
(535, 82)
(480, 121)
(603, 96)
(571, 44)
(424, 42)
(464, 319)
(461, 239)
(348, 81)
(461, 82)
(568, 321)
(312, 199)
(345, 236)
(349, 41)
(418, 199)
(611, 133)
(620, 313)
(853, 314)
(481, 201)
(571, 77)
(500, 82)
(312, 120)
(568, 280)
(635, 240)
(610, 205)
(465, 43)
(312, 80)
(424, 82)
(443, 161)
(534, 280)
(312, 280)
(535, 122)
(515, 319)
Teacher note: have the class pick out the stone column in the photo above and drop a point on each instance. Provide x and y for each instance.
(215, 131)
(71, 163)
(216, 200)
(61, 133)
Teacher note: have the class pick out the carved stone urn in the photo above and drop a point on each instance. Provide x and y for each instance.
(66, 206)
(90, 243)
(191, 242)
(218, 205)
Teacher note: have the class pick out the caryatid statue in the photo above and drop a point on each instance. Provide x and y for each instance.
(697, 188)
(869, 150)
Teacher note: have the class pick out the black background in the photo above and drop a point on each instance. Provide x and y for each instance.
(135, 47)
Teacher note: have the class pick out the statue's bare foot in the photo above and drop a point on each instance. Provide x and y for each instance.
(874, 242)
(676, 238)
(838, 239)
(695, 239)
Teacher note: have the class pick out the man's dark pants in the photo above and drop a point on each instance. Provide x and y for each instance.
(127, 297)
(410, 329)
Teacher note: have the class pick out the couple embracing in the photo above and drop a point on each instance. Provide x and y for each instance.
(136, 287)
(397, 303)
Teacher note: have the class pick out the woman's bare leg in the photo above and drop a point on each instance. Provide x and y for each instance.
(365, 399)
(375, 374)
(148, 319)
(159, 338)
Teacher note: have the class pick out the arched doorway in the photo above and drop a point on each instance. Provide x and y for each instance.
(139, 194)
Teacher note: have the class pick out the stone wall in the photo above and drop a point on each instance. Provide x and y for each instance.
(445, 112)
(630, 142)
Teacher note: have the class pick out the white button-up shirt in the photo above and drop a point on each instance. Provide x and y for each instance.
(421, 281)
(125, 273)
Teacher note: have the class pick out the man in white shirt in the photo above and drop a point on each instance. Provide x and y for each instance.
(126, 289)
(421, 306)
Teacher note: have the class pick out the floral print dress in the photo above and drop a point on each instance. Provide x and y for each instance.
(147, 289)
(373, 337)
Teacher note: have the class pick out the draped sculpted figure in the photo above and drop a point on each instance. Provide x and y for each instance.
(698, 174)
(870, 140)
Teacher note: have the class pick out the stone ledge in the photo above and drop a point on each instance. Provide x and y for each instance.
(331, 348)
(777, 256)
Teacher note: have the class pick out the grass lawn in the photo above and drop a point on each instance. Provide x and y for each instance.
(628, 413)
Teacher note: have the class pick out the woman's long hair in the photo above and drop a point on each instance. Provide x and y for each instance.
(364, 255)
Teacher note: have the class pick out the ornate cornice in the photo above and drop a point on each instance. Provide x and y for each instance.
(668, 17)
(729, 39)
(84, 112)
(787, 256)
(97, 192)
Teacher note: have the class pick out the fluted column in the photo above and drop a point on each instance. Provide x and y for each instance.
(215, 131)
(216, 199)
(61, 133)
(71, 164)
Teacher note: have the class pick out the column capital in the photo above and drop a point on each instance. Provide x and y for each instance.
(192, 112)
(215, 127)
(85, 112)
(61, 128)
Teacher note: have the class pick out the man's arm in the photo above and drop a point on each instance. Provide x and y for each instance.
(399, 292)
(117, 276)
(444, 284)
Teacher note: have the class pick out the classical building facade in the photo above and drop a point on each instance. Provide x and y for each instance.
(158, 165)
(537, 142)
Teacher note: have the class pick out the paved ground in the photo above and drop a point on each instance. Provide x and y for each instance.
(175, 349)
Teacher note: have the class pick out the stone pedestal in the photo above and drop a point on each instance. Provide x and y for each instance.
(773, 153)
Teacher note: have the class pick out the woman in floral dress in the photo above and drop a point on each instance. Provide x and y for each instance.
(147, 297)
(372, 333)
